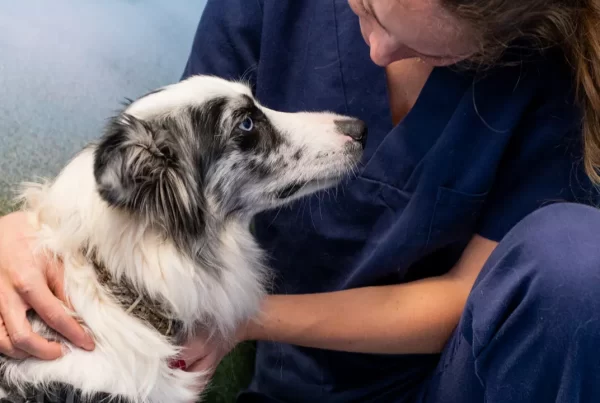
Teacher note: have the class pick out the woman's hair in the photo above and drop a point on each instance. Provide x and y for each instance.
(573, 25)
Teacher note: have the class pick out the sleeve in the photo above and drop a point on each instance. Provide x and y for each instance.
(543, 164)
(227, 40)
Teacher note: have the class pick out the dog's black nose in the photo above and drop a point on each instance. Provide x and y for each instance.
(353, 128)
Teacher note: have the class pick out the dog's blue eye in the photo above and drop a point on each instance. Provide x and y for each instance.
(247, 125)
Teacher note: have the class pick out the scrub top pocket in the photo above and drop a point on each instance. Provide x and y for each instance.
(455, 216)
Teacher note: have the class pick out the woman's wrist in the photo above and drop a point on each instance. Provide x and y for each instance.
(245, 332)
(253, 329)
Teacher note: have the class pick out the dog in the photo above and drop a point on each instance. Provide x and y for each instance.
(152, 223)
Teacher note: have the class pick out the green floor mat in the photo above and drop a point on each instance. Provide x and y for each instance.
(233, 375)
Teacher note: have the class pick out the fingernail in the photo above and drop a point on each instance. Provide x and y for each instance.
(88, 344)
(177, 364)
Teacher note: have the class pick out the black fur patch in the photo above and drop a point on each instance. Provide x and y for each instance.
(207, 118)
(248, 141)
(53, 393)
(59, 393)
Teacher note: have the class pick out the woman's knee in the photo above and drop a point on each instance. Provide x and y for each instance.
(545, 274)
(559, 248)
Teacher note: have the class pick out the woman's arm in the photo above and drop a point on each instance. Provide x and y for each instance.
(411, 318)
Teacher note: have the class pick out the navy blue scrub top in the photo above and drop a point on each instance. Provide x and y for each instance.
(476, 154)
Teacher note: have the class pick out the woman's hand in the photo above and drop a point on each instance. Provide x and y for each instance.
(30, 281)
(203, 354)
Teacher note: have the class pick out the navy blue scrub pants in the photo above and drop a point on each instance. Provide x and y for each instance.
(530, 332)
(531, 328)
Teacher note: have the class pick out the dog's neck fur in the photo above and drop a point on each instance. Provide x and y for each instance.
(176, 302)
(138, 304)
(227, 234)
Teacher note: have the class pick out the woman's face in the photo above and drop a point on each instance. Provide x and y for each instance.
(404, 29)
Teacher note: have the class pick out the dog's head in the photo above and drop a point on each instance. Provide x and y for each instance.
(205, 146)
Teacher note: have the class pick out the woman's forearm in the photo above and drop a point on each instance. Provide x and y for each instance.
(410, 318)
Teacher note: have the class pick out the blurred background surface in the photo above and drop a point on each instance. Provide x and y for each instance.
(66, 65)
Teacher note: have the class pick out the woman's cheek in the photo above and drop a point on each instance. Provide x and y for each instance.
(365, 30)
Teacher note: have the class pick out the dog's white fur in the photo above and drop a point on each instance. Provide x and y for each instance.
(130, 358)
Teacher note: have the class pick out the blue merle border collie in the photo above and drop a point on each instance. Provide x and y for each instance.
(152, 224)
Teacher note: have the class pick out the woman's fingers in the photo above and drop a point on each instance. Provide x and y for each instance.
(53, 313)
(21, 335)
(207, 365)
(6, 346)
(56, 280)
(195, 350)
(26, 281)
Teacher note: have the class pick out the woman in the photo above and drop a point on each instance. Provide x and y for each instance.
(442, 244)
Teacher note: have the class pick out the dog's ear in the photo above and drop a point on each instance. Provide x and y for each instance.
(140, 168)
